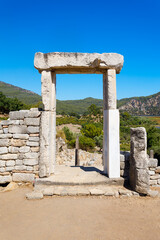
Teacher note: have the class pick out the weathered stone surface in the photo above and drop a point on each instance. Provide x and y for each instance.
(152, 182)
(2, 163)
(6, 135)
(30, 162)
(33, 129)
(34, 139)
(18, 129)
(12, 149)
(29, 168)
(34, 195)
(23, 177)
(10, 169)
(31, 155)
(155, 177)
(5, 179)
(158, 169)
(152, 162)
(24, 149)
(20, 167)
(151, 172)
(125, 192)
(10, 163)
(9, 156)
(32, 144)
(3, 150)
(34, 149)
(9, 122)
(21, 136)
(4, 142)
(152, 193)
(96, 191)
(31, 121)
(78, 62)
(17, 115)
(33, 114)
(48, 192)
(19, 162)
(18, 142)
(139, 175)
(5, 130)
(122, 158)
(158, 181)
(2, 169)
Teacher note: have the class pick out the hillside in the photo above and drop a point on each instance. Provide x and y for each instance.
(24, 95)
(149, 105)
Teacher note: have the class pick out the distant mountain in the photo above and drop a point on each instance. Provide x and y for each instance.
(149, 105)
(24, 95)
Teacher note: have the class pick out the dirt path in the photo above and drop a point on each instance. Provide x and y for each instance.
(78, 218)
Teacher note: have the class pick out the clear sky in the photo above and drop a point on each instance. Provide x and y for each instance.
(131, 28)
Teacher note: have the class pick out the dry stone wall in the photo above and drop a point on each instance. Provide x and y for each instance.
(19, 146)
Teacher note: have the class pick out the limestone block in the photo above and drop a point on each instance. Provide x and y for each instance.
(4, 142)
(122, 165)
(9, 156)
(158, 169)
(19, 162)
(33, 114)
(18, 142)
(139, 174)
(24, 149)
(96, 191)
(152, 182)
(152, 162)
(3, 150)
(6, 135)
(2, 163)
(12, 149)
(5, 179)
(31, 155)
(17, 115)
(5, 130)
(78, 62)
(34, 139)
(31, 121)
(18, 129)
(32, 144)
(34, 134)
(33, 129)
(23, 177)
(10, 169)
(20, 167)
(29, 168)
(2, 169)
(158, 181)
(10, 122)
(35, 149)
(21, 156)
(10, 163)
(109, 90)
(1, 131)
(151, 172)
(155, 177)
(30, 162)
(21, 136)
(34, 195)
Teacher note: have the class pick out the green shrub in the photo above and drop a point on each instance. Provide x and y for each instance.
(86, 143)
(99, 141)
(68, 133)
(90, 130)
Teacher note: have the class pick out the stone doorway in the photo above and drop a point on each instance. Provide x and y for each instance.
(51, 64)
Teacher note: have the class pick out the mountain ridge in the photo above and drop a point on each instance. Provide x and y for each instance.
(144, 105)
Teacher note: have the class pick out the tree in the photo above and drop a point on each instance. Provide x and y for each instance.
(90, 130)
(94, 110)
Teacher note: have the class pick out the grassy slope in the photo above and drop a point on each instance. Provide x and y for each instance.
(25, 96)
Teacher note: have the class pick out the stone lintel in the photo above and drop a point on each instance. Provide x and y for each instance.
(62, 62)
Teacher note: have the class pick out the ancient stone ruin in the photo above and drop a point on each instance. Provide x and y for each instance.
(28, 137)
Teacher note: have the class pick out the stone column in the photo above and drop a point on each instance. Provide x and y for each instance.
(48, 124)
(111, 147)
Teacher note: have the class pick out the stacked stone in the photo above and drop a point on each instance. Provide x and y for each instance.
(124, 164)
(19, 146)
(154, 172)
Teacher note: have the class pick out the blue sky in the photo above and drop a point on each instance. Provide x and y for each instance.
(131, 28)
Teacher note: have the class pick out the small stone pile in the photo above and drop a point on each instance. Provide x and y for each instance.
(19, 146)
(154, 172)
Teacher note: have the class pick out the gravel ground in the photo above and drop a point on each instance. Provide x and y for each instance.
(77, 218)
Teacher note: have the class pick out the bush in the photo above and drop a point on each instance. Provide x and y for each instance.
(68, 133)
(60, 133)
(99, 141)
(86, 143)
(90, 130)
